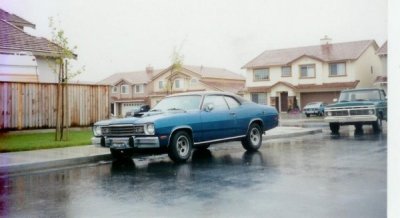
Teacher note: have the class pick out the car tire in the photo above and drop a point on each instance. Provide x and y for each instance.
(377, 126)
(334, 127)
(181, 146)
(121, 154)
(253, 139)
(204, 146)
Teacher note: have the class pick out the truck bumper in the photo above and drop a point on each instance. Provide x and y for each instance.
(351, 119)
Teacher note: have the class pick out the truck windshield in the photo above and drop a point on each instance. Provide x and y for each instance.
(360, 95)
(185, 102)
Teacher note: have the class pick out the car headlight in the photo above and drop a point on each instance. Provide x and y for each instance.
(97, 130)
(150, 130)
(371, 112)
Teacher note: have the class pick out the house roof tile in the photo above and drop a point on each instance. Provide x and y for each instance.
(134, 77)
(14, 39)
(382, 50)
(327, 53)
(14, 19)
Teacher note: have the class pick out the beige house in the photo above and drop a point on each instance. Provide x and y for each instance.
(23, 57)
(133, 89)
(381, 80)
(293, 77)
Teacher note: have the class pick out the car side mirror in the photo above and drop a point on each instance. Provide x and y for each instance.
(209, 107)
(335, 100)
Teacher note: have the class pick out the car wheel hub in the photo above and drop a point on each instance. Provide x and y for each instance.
(183, 146)
(255, 136)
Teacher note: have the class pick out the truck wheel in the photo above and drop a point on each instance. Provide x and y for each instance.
(334, 127)
(377, 126)
(307, 115)
(121, 154)
(181, 146)
(253, 139)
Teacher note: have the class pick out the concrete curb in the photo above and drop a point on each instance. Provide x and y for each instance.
(16, 168)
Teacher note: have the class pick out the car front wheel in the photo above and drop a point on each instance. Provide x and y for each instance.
(181, 146)
(253, 139)
(377, 126)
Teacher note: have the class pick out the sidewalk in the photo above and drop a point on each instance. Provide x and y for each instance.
(19, 162)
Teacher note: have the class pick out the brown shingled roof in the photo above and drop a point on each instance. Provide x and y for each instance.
(327, 53)
(342, 85)
(135, 77)
(213, 72)
(14, 19)
(382, 50)
(233, 87)
(14, 39)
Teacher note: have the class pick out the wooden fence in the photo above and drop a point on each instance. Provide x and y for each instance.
(33, 105)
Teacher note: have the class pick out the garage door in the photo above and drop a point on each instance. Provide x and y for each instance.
(327, 97)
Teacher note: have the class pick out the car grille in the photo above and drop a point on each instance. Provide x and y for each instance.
(122, 130)
(340, 113)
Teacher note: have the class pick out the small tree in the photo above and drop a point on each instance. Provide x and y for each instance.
(176, 66)
(61, 66)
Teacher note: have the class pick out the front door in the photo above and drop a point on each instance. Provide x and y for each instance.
(284, 101)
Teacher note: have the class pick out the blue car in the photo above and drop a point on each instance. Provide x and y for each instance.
(314, 108)
(181, 122)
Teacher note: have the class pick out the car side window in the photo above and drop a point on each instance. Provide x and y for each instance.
(232, 103)
(217, 101)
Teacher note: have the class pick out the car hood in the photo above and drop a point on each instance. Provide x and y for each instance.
(148, 117)
(353, 104)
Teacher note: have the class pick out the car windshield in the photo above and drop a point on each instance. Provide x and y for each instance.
(185, 102)
(359, 95)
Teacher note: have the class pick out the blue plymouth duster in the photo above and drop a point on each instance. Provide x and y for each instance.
(181, 122)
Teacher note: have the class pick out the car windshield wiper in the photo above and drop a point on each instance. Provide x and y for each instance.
(176, 109)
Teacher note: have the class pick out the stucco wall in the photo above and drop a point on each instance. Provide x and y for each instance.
(46, 71)
(362, 68)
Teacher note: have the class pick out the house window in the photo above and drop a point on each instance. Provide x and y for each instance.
(193, 82)
(259, 98)
(261, 74)
(160, 84)
(124, 89)
(307, 71)
(337, 69)
(286, 71)
(139, 88)
(115, 89)
(177, 83)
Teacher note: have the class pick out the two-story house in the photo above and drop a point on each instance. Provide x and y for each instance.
(24, 57)
(381, 80)
(292, 77)
(132, 89)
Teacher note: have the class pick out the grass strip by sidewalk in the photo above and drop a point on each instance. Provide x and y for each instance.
(34, 141)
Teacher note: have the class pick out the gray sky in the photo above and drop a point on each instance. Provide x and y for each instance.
(127, 35)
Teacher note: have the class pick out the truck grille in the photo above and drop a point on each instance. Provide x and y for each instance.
(340, 113)
(359, 112)
(122, 130)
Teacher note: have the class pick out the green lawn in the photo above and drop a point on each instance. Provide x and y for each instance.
(33, 141)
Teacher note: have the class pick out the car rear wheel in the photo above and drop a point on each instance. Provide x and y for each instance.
(121, 154)
(181, 146)
(334, 127)
(253, 139)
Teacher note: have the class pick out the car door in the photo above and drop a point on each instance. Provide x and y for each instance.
(217, 121)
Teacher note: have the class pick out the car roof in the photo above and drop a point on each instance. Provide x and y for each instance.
(202, 93)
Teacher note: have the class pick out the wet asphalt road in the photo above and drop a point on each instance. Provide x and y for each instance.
(311, 176)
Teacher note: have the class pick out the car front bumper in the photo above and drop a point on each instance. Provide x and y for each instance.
(350, 119)
(127, 142)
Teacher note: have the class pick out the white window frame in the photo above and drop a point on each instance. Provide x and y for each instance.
(180, 83)
(127, 89)
(194, 81)
(282, 71)
(308, 66)
(115, 89)
(160, 84)
(333, 74)
(258, 77)
(141, 90)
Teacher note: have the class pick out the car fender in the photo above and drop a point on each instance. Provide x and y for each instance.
(254, 120)
(185, 127)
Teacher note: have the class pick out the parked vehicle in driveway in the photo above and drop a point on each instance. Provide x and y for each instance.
(314, 108)
(181, 122)
(358, 107)
(138, 112)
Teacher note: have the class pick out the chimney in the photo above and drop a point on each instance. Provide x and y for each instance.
(326, 40)
(149, 71)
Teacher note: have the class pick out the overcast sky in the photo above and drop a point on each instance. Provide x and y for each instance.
(128, 35)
